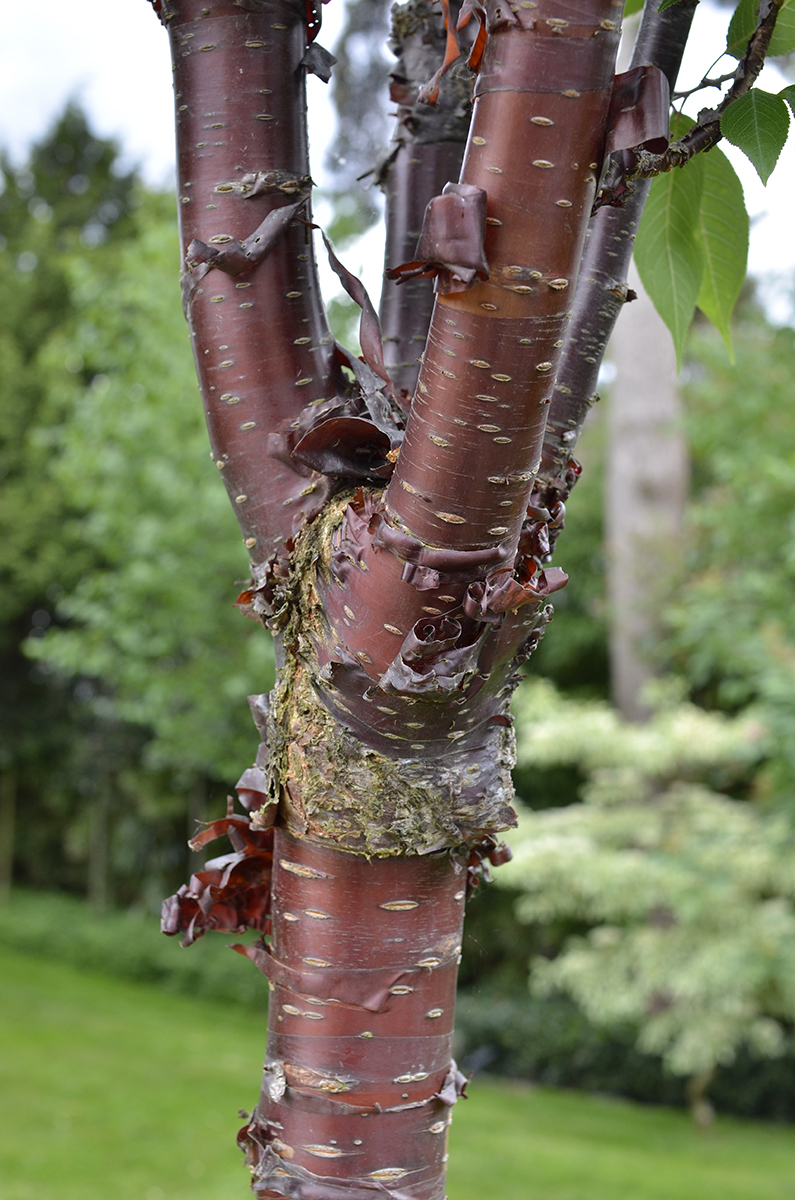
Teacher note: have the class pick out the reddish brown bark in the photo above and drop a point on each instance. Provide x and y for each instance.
(404, 614)
(602, 286)
(427, 152)
(492, 351)
(451, 543)
(263, 351)
(358, 1082)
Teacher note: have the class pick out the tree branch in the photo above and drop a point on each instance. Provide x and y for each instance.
(707, 131)
(427, 152)
(602, 283)
(264, 354)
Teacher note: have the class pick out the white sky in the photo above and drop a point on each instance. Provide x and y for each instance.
(112, 55)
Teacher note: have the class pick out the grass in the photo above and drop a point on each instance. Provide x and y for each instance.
(118, 1088)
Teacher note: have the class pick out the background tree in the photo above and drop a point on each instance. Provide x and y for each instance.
(66, 197)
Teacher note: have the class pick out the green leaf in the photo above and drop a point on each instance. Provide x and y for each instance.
(788, 94)
(723, 225)
(668, 246)
(743, 24)
(758, 124)
(783, 39)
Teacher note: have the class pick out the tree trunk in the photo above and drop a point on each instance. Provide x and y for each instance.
(646, 489)
(99, 847)
(8, 804)
(400, 564)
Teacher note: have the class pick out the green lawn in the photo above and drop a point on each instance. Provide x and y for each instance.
(117, 1089)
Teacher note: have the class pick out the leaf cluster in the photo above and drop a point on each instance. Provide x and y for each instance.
(692, 245)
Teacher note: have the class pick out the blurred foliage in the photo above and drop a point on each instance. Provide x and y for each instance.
(550, 1040)
(732, 621)
(689, 896)
(66, 199)
(114, 537)
(127, 944)
(153, 618)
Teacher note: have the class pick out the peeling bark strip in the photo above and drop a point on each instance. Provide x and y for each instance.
(262, 346)
(234, 892)
(358, 1081)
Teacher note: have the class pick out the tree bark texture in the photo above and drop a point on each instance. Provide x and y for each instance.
(427, 151)
(403, 606)
(261, 342)
(602, 287)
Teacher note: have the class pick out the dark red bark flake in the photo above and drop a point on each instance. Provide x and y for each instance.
(639, 111)
(232, 893)
(429, 93)
(348, 447)
(239, 258)
(358, 1081)
(450, 247)
(369, 326)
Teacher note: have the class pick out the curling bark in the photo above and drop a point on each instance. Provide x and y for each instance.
(403, 606)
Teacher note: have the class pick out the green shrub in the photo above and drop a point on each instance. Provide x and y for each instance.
(60, 927)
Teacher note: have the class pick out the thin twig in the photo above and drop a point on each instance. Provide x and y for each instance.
(641, 164)
(707, 131)
(705, 83)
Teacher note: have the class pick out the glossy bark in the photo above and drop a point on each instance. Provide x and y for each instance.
(261, 342)
(402, 613)
(602, 286)
(426, 153)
